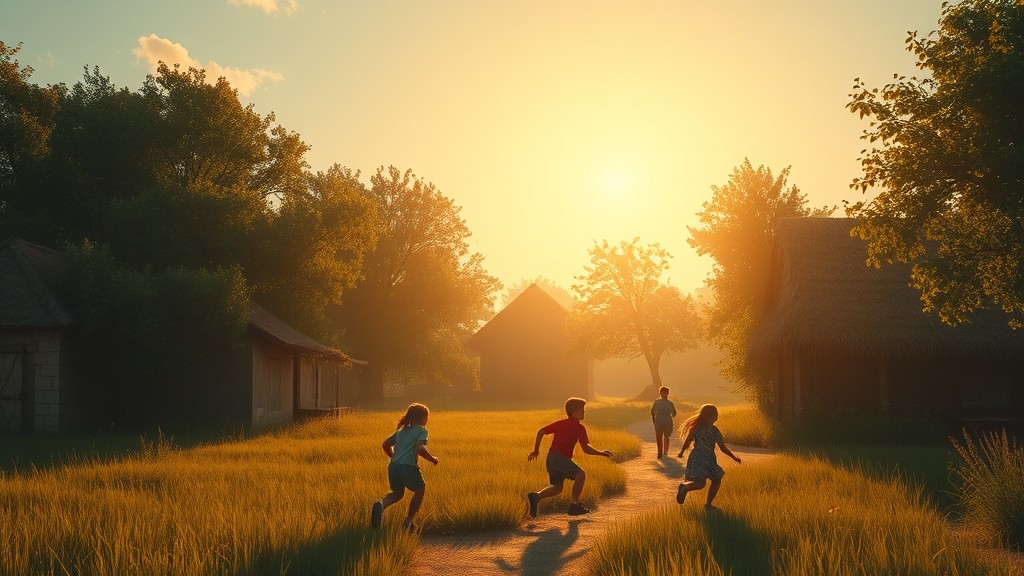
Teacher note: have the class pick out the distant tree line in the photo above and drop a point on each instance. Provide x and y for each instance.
(177, 204)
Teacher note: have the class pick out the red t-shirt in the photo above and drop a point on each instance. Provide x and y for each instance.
(567, 433)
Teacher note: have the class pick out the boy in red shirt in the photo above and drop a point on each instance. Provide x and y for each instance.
(559, 464)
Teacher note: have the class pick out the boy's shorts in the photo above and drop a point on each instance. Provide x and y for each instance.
(402, 476)
(561, 468)
(662, 428)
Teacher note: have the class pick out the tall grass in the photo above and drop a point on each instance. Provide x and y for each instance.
(992, 484)
(795, 516)
(294, 502)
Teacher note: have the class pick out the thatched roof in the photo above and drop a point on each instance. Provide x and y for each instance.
(276, 329)
(29, 274)
(824, 297)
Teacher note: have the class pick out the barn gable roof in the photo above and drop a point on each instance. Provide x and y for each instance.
(29, 274)
(519, 317)
(824, 297)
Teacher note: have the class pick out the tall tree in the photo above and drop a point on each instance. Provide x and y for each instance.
(27, 117)
(737, 229)
(947, 163)
(423, 292)
(627, 310)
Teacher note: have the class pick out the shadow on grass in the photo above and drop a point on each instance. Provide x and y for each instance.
(736, 548)
(336, 553)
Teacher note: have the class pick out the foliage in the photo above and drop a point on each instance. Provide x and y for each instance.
(791, 515)
(272, 504)
(991, 474)
(946, 159)
(151, 341)
(737, 229)
(626, 310)
(561, 295)
(422, 291)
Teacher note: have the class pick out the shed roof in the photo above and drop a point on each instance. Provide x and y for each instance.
(29, 275)
(276, 329)
(824, 297)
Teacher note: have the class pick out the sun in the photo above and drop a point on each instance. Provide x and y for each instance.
(616, 183)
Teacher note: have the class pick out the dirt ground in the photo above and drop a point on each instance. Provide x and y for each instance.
(554, 544)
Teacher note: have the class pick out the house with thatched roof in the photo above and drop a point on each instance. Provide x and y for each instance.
(840, 335)
(276, 376)
(525, 352)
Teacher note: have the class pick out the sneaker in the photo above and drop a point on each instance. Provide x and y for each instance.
(578, 510)
(376, 514)
(534, 499)
(681, 494)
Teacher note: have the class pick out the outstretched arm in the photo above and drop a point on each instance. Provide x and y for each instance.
(536, 445)
(725, 450)
(588, 449)
(421, 449)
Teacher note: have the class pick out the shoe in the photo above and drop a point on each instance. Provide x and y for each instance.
(681, 494)
(534, 499)
(680, 455)
(659, 455)
(578, 510)
(376, 514)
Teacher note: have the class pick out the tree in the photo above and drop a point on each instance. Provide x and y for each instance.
(737, 230)
(947, 163)
(626, 310)
(27, 117)
(422, 294)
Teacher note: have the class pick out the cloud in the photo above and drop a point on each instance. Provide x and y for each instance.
(269, 6)
(154, 49)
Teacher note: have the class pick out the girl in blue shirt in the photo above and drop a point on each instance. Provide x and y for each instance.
(404, 447)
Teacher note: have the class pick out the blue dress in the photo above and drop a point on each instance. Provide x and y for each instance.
(702, 463)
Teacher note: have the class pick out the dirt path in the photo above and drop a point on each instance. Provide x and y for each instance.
(554, 544)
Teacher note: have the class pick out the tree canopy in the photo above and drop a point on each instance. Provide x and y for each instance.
(626, 309)
(737, 229)
(422, 291)
(946, 163)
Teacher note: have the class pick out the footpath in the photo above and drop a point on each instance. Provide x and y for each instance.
(554, 544)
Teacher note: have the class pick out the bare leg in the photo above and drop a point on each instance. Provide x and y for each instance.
(414, 505)
(577, 486)
(552, 490)
(390, 498)
(712, 491)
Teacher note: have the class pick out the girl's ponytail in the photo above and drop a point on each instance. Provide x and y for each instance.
(414, 414)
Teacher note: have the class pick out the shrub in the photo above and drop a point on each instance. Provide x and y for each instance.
(992, 474)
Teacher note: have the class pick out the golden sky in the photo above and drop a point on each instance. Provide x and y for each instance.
(553, 124)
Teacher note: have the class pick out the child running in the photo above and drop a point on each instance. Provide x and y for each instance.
(567, 432)
(702, 465)
(662, 412)
(403, 448)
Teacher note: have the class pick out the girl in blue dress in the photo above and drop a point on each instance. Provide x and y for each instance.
(700, 430)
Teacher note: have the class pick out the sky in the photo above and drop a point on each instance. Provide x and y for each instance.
(552, 124)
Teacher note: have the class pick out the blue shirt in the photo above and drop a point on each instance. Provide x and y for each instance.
(407, 440)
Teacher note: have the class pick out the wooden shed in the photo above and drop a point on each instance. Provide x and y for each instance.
(277, 374)
(524, 352)
(39, 387)
(841, 335)
(288, 374)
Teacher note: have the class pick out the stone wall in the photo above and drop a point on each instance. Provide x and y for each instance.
(41, 358)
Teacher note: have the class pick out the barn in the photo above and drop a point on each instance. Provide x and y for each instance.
(839, 335)
(524, 352)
